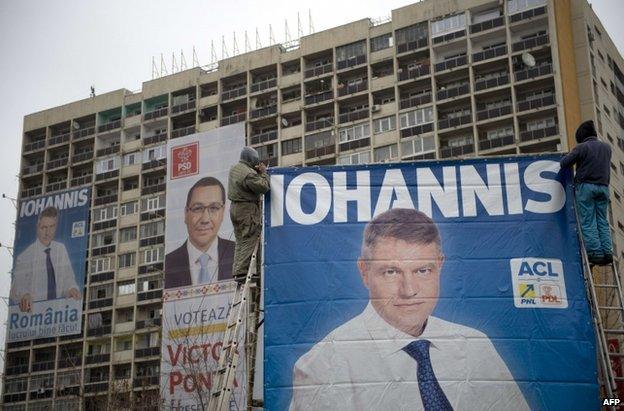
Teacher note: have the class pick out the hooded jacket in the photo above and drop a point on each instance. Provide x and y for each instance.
(592, 157)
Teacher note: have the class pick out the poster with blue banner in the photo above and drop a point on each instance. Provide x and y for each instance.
(429, 285)
(49, 265)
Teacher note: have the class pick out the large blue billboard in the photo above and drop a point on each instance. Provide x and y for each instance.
(50, 250)
(430, 285)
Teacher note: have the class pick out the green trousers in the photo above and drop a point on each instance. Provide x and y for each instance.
(247, 221)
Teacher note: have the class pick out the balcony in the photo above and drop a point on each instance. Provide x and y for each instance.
(540, 133)
(32, 169)
(319, 97)
(92, 387)
(156, 138)
(536, 103)
(101, 277)
(181, 108)
(149, 295)
(107, 175)
(454, 122)
(234, 93)
(60, 185)
(41, 393)
(15, 397)
(17, 369)
(263, 85)
(263, 137)
(147, 352)
(108, 249)
(70, 361)
(483, 84)
(489, 53)
(83, 134)
(487, 25)
(527, 14)
(533, 72)
(151, 268)
(416, 130)
(355, 144)
(82, 180)
(353, 115)
(154, 114)
(112, 125)
(264, 112)
(101, 303)
(103, 225)
(407, 74)
(181, 132)
(449, 37)
(151, 322)
(99, 331)
(84, 156)
(494, 112)
(488, 144)
(457, 151)
(35, 145)
(233, 119)
(57, 163)
(269, 161)
(60, 139)
(415, 101)
(319, 124)
(154, 163)
(109, 150)
(530, 43)
(30, 192)
(159, 239)
(97, 358)
(318, 71)
(142, 382)
(351, 62)
(412, 45)
(321, 151)
(151, 189)
(153, 214)
(451, 63)
(453, 92)
(352, 89)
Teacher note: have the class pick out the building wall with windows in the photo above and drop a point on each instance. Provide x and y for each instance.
(442, 79)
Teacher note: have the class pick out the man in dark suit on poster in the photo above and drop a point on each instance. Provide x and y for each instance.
(204, 257)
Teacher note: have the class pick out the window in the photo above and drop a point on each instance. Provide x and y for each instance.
(319, 140)
(351, 51)
(107, 164)
(516, 6)
(127, 234)
(105, 213)
(149, 284)
(448, 25)
(131, 158)
(362, 157)
(126, 288)
(355, 132)
(153, 203)
(153, 229)
(386, 153)
(155, 153)
(412, 33)
(416, 117)
(486, 15)
(127, 260)
(103, 239)
(291, 146)
(381, 125)
(129, 208)
(99, 265)
(381, 42)
(123, 345)
(417, 146)
(153, 255)
(540, 124)
(500, 133)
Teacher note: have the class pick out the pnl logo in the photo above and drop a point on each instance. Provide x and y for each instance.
(185, 160)
(538, 283)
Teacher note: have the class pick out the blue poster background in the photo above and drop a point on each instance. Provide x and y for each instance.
(312, 285)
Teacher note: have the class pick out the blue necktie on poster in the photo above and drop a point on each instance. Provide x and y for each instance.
(432, 396)
(203, 272)
(51, 276)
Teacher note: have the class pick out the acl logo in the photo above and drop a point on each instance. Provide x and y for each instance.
(538, 283)
(185, 160)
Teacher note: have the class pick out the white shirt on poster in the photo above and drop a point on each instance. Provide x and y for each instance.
(361, 365)
(30, 274)
(213, 263)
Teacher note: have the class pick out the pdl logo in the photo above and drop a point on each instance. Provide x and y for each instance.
(185, 160)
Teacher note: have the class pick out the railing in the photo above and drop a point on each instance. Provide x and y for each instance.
(40, 393)
(107, 175)
(449, 37)
(533, 72)
(61, 185)
(263, 85)
(264, 111)
(412, 45)
(446, 152)
(536, 103)
(320, 151)
(317, 98)
(34, 168)
(32, 191)
(355, 144)
(42, 366)
(84, 133)
(111, 198)
(486, 25)
(101, 277)
(530, 43)
(96, 387)
(109, 150)
(415, 100)
(60, 139)
(139, 382)
(494, 112)
(496, 142)
(58, 163)
(152, 214)
(87, 155)
(319, 124)
(103, 225)
(454, 122)
(103, 330)
(17, 369)
(149, 295)
(489, 53)
(354, 88)
(539, 133)
(189, 105)
(351, 62)
(483, 84)
(104, 302)
(184, 131)
(421, 71)
(527, 14)
(158, 239)
(154, 114)
(82, 180)
(354, 115)
(156, 138)
(451, 63)
(318, 71)
(237, 92)
(109, 126)
(97, 358)
(150, 164)
(147, 352)
(152, 322)
(263, 137)
(35, 145)
(453, 92)
(416, 130)
(70, 361)
(234, 118)
(153, 189)
(107, 249)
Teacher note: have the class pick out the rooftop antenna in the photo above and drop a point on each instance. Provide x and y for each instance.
(174, 64)
(163, 66)
(224, 53)
(182, 61)
(258, 44)
(299, 27)
(310, 21)
(271, 36)
(213, 53)
(286, 32)
(155, 73)
(247, 45)
(195, 59)
(92, 91)
(235, 45)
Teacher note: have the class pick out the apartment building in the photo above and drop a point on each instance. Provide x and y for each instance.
(441, 79)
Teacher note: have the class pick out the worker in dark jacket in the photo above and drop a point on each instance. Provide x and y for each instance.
(592, 159)
(247, 182)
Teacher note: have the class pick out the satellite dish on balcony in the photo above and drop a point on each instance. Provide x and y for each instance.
(284, 122)
(528, 59)
(76, 125)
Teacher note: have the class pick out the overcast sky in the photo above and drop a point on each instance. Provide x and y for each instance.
(51, 52)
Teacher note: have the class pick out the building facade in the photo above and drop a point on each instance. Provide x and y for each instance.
(441, 79)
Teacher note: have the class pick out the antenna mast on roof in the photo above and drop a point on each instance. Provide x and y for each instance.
(258, 44)
(224, 53)
(299, 27)
(310, 21)
(163, 66)
(247, 45)
(271, 36)
(195, 59)
(213, 53)
(155, 73)
(234, 45)
(174, 64)
(183, 65)
(286, 32)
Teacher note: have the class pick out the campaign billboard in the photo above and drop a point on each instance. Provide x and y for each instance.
(435, 285)
(199, 253)
(49, 252)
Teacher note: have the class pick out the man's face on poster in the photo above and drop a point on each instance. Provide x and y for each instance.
(203, 216)
(403, 281)
(46, 228)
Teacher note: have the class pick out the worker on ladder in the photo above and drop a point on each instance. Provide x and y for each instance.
(592, 159)
(247, 182)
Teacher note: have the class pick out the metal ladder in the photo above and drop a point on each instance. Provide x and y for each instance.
(243, 304)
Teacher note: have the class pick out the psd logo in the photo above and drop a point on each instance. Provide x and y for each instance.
(538, 282)
(185, 160)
